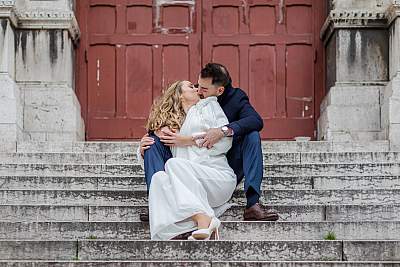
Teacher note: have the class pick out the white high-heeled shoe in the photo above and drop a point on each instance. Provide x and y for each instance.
(205, 234)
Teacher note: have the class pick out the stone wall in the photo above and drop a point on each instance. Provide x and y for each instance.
(11, 98)
(372, 5)
(357, 69)
(391, 95)
(362, 57)
(37, 69)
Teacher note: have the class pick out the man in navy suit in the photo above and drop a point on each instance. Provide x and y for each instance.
(245, 156)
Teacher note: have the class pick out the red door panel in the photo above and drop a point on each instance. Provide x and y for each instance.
(230, 56)
(102, 100)
(262, 79)
(139, 80)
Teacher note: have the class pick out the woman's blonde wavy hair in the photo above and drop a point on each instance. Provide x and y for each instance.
(167, 110)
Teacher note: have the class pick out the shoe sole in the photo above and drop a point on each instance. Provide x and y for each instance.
(143, 218)
(268, 218)
(200, 236)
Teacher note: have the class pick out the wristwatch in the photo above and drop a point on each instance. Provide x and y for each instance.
(225, 130)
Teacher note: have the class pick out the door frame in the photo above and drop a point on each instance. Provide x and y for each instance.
(81, 62)
(320, 64)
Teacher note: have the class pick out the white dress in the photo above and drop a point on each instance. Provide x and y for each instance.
(196, 180)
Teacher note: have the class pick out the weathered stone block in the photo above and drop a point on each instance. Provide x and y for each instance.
(351, 96)
(351, 113)
(20, 213)
(11, 105)
(44, 5)
(394, 110)
(52, 112)
(371, 250)
(10, 133)
(7, 146)
(362, 55)
(364, 4)
(37, 250)
(353, 119)
(7, 53)
(394, 136)
(394, 41)
(44, 56)
(226, 250)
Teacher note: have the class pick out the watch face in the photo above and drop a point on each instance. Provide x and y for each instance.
(224, 130)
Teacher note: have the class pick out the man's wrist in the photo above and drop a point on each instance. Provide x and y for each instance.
(227, 131)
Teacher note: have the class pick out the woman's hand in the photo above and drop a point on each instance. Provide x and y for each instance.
(198, 138)
(212, 137)
(172, 138)
(145, 143)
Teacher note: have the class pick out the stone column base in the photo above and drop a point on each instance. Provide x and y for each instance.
(11, 106)
(51, 113)
(391, 112)
(351, 113)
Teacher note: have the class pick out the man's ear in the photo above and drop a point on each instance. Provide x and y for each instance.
(221, 90)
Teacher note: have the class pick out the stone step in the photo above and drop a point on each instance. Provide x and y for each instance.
(199, 251)
(271, 197)
(27, 213)
(80, 263)
(270, 146)
(323, 169)
(334, 157)
(230, 230)
(199, 263)
(137, 182)
(269, 158)
(333, 169)
(73, 182)
(70, 158)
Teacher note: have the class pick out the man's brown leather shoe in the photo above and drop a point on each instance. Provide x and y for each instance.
(144, 216)
(257, 213)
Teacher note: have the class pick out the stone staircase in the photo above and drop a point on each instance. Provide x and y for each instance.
(78, 204)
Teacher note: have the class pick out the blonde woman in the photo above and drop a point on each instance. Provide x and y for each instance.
(196, 183)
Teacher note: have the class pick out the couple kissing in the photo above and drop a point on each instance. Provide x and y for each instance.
(201, 142)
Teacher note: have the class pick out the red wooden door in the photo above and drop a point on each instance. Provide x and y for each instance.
(134, 49)
(131, 49)
(270, 49)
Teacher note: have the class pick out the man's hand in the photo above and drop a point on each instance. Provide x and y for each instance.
(170, 138)
(212, 137)
(145, 143)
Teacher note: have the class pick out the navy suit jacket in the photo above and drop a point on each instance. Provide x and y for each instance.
(242, 117)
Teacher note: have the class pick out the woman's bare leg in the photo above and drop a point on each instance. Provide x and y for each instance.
(202, 220)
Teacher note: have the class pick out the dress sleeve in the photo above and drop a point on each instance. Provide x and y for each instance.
(214, 117)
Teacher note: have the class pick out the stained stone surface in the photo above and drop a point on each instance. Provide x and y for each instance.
(78, 204)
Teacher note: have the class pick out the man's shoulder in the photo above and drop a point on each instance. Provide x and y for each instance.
(233, 98)
(238, 94)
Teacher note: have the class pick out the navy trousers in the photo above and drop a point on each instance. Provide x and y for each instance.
(155, 158)
(245, 158)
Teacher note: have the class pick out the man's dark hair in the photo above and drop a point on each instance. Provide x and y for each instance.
(218, 73)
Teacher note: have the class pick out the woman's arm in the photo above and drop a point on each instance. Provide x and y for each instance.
(173, 138)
